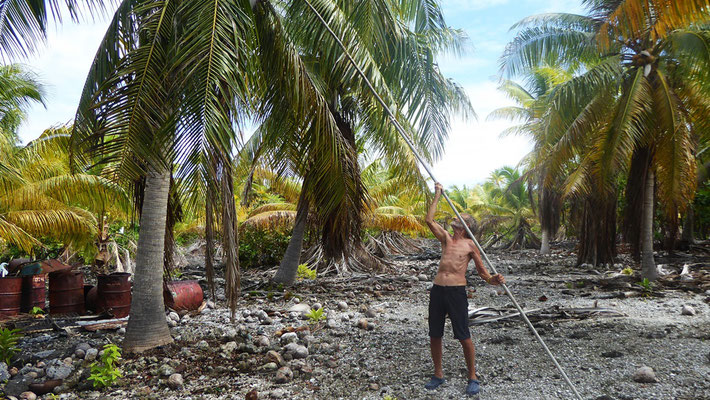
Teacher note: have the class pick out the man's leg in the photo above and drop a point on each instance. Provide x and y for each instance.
(436, 356)
(469, 353)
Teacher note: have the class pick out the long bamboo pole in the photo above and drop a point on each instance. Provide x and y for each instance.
(409, 142)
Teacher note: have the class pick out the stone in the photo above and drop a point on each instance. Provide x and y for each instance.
(83, 346)
(4, 373)
(300, 308)
(342, 305)
(317, 306)
(270, 366)
(166, 370)
(687, 310)
(172, 323)
(374, 386)
(203, 345)
(645, 375)
(274, 356)
(363, 323)
(284, 375)
(28, 396)
(422, 278)
(262, 341)
(296, 350)
(14, 371)
(229, 347)
(278, 393)
(370, 313)
(79, 353)
(211, 304)
(91, 354)
(175, 381)
(58, 370)
(174, 316)
(612, 354)
(288, 337)
(331, 323)
(17, 385)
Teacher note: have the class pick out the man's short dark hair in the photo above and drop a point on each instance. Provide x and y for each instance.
(470, 222)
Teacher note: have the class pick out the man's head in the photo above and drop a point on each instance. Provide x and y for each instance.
(470, 221)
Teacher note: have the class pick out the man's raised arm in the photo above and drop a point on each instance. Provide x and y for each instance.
(435, 228)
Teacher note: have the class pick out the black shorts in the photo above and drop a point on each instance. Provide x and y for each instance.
(451, 300)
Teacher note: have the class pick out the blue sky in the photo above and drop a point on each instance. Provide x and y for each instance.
(474, 148)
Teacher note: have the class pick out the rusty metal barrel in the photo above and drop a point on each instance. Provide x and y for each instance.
(33, 292)
(113, 294)
(183, 295)
(66, 292)
(10, 296)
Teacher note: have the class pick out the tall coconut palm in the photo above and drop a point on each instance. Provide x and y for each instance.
(169, 86)
(532, 111)
(638, 92)
(408, 78)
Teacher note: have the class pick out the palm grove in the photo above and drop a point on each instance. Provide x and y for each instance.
(615, 102)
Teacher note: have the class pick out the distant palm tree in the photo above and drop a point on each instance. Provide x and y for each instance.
(637, 94)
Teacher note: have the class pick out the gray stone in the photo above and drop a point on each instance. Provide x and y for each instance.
(44, 355)
(175, 381)
(422, 278)
(317, 306)
(370, 313)
(17, 385)
(4, 373)
(687, 310)
(229, 347)
(203, 345)
(174, 316)
(331, 323)
(79, 353)
(284, 375)
(288, 337)
(342, 305)
(58, 370)
(83, 346)
(301, 308)
(645, 375)
(166, 370)
(91, 354)
(262, 341)
(211, 304)
(296, 350)
(278, 394)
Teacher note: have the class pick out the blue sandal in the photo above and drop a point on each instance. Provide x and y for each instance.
(434, 383)
(473, 387)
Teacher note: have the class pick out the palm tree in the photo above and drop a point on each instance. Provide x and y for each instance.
(531, 110)
(637, 94)
(41, 198)
(407, 77)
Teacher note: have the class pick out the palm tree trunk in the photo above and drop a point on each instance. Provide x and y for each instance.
(147, 327)
(289, 265)
(688, 235)
(648, 264)
(545, 242)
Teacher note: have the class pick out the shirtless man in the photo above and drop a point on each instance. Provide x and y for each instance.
(448, 295)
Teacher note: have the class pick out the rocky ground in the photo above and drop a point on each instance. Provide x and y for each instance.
(373, 342)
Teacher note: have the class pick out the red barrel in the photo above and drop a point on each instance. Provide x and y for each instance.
(113, 294)
(33, 292)
(183, 295)
(66, 292)
(10, 296)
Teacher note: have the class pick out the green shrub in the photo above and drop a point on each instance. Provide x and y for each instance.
(36, 311)
(258, 247)
(627, 271)
(105, 372)
(8, 344)
(305, 273)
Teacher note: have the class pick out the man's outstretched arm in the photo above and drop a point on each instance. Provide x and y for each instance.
(435, 228)
(496, 279)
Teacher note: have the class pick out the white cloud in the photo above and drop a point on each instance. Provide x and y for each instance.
(475, 148)
(62, 65)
